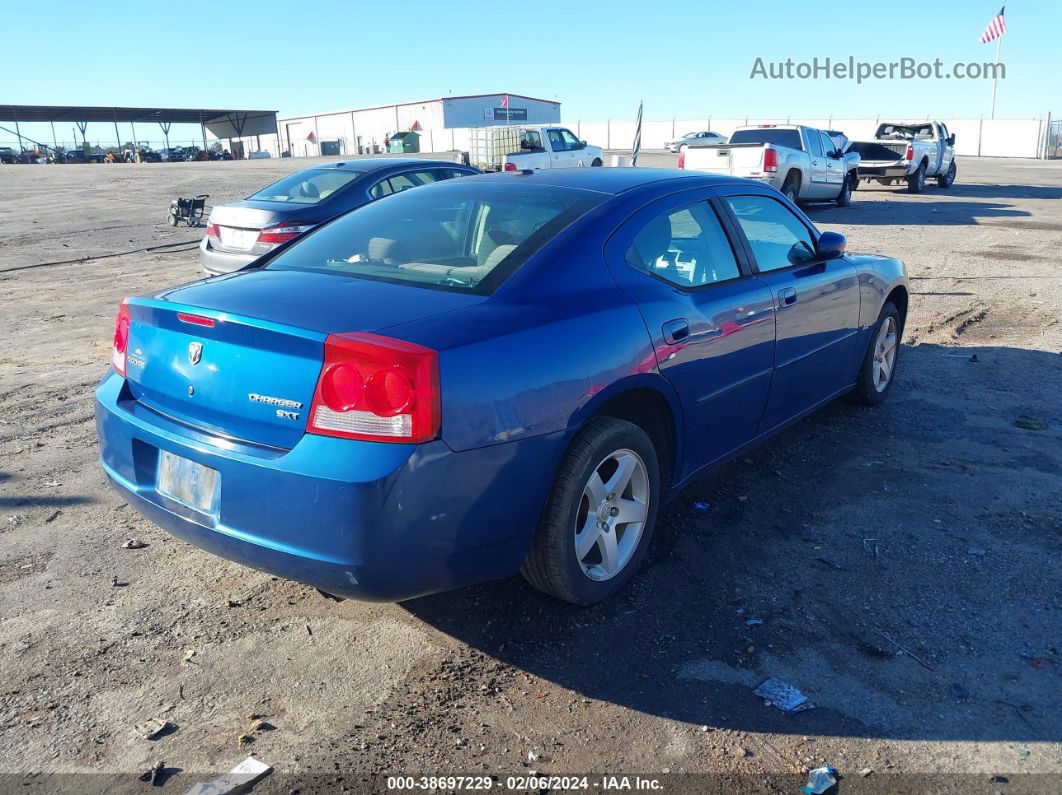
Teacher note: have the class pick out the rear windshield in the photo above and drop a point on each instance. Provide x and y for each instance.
(462, 235)
(790, 138)
(307, 187)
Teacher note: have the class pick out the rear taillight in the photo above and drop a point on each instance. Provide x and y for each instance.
(282, 233)
(910, 152)
(121, 338)
(509, 167)
(377, 389)
(770, 160)
(682, 158)
(212, 231)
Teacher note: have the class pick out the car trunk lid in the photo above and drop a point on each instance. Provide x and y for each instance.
(239, 224)
(239, 356)
(729, 159)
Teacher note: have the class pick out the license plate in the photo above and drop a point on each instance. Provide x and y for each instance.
(187, 482)
(238, 238)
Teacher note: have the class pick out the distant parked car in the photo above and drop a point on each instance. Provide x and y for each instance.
(173, 154)
(495, 374)
(705, 137)
(259, 155)
(8, 155)
(240, 232)
(221, 154)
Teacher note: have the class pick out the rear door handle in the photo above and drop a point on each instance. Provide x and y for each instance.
(787, 296)
(676, 330)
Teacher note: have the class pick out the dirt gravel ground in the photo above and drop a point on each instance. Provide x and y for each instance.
(903, 561)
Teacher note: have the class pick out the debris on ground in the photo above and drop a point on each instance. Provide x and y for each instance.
(702, 506)
(245, 739)
(188, 655)
(866, 771)
(1030, 423)
(262, 726)
(154, 773)
(907, 651)
(753, 622)
(116, 583)
(153, 728)
(134, 543)
(241, 777)
(782, 695)
(820, 780)
(53, 517)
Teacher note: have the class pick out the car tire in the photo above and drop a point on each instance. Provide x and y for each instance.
(570, 523)
(884, 346)
(916, 183)
(947, 179)
(791, 188)
(844, 198)
(597, 162)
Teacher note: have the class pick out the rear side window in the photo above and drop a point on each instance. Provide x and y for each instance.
(307, 187)
(401, 182)
(686, 247)
(456, 236)
(768, 135)
(778, 238)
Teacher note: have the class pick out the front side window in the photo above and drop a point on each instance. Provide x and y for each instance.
(778, 238)
(814, 143)
(571, 143)
(307, 187)
(686, 247)
(454, 236)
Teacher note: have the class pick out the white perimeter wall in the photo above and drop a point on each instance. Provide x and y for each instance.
(973, 137)
(367, 128)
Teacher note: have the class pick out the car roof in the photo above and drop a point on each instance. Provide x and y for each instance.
(377, 163)
(609, 180)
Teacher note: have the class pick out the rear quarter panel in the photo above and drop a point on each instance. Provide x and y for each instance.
(878, 277)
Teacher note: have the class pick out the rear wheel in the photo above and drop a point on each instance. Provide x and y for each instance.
(946, 179)
(597, 162)
(791, 188)
(878, 370)
(599, 515)
(172, 219)
(916, 183)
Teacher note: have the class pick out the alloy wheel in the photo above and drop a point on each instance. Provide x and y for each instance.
(612, 514)
(885, 354)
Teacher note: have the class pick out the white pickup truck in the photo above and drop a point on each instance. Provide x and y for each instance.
(804, 163)
(529, 148)
(908, 152)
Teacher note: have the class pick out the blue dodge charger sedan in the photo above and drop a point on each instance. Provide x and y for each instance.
(500, 373)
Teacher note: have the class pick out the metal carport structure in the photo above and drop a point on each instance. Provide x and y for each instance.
(222, 123)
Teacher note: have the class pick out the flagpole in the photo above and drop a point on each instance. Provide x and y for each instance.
(995, 78)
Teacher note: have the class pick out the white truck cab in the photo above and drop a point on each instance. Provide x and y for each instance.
(512, 148)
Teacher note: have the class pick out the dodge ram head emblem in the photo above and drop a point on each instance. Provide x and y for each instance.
(195, 352)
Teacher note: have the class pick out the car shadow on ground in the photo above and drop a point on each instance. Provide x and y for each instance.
(982, 190)
(898, 565)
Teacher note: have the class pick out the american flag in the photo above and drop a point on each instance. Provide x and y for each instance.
(996, 28)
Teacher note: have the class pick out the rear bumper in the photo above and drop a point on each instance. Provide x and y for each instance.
(217, 262)
(381, 522)
(883, 170)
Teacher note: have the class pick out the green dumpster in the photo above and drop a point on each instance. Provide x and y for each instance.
(403, 142)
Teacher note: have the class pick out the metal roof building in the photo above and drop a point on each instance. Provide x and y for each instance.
(219, 123)
(442, 123)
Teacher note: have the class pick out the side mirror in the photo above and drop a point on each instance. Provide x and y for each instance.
(951, 140)
(831, 245)
(583, 143)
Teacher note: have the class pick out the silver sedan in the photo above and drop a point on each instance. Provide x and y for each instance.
(704, 137)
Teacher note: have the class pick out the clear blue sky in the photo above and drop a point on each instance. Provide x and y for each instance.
(688, 59)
